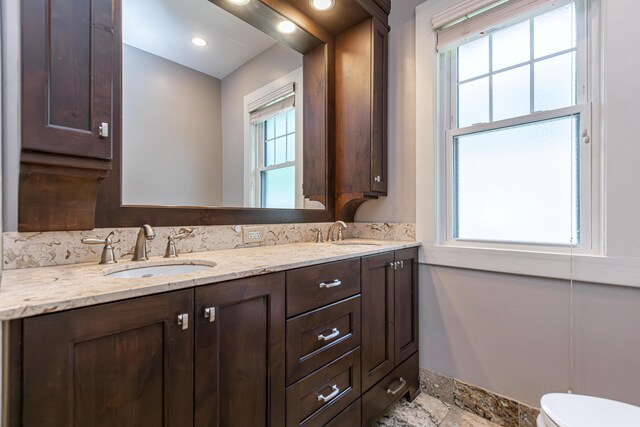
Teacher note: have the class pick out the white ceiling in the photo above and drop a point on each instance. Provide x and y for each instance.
(165, 28)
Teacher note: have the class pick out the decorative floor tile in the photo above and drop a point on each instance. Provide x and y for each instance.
(424, 411)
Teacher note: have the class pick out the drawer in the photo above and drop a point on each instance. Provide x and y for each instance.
(401, 381)
(313, 287)
(320, 336)
(350, 417)
(318, 398)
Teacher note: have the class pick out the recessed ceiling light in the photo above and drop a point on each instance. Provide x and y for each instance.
(240, 2)
(286, 27)
(322, 5)
(199, 42)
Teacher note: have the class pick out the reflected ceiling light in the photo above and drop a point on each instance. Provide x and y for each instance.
(286, 27)
(322, 5)
(199, 42)
(240, 2)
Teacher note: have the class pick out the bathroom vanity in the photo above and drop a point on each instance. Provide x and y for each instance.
(327, 337)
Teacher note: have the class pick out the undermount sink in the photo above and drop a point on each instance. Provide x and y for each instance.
(356, 244)
(159, 271)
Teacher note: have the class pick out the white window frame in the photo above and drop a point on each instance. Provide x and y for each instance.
(588, 153)
(251, 196)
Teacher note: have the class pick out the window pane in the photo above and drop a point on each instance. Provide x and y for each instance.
(281, 150)
(511, 46)
(518, 184)
(281, 124)
(291, 148)
(473, 102)
(278, 188)
(291, 120)
(473, 59)
(270, 128)
(269, 152)
(554, 31)
(555, 82)
(511, 93)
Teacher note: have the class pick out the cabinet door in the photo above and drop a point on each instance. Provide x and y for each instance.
(378, 318)
(406, 304)
(240, 353)
(379, 107)
(67, 75)
(121, 364)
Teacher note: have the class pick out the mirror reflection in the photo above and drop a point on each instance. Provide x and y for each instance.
(212, 110)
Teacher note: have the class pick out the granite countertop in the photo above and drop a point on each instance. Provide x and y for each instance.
(32, 291)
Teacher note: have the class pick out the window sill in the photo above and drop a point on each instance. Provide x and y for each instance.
(586, 268)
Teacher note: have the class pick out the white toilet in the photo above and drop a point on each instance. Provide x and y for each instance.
(574, 410)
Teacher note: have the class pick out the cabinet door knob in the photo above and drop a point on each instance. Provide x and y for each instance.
(334, 333)
(103, 130)
(401, 385)
(377, 178)
(183, 320)
(210, 313)
(334, 393)
(326, 285)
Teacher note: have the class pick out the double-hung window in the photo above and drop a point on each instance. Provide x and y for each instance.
(515, 124)
(274, 131)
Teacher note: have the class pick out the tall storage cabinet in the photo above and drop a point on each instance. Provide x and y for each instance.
(361, 115)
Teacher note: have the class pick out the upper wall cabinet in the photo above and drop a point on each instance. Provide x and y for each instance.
(361, 115)
(67, 79)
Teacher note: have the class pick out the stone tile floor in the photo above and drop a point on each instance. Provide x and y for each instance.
(427, 411)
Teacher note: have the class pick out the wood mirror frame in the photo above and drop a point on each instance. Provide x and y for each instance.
(318, 132)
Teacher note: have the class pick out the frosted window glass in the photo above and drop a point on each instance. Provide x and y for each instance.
(291, 120)
(518, 183)
(555, 82)
(554, 31)
(281, 124)
(291, 148)
(511, 93)
(281, 150)
(270, 126)
(511, 46)
(278, 188)
(473, 59)
(269, 152)
(473, 102)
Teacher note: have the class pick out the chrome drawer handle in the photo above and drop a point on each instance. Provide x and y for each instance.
(331, 395)
(397, 389)
(327, 285)
(210, 313)
(334, 333)
(183, 320)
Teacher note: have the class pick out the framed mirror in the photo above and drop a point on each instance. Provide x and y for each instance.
(224, 115)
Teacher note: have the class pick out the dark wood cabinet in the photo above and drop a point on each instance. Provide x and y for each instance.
(361, 115)
(390, 307)
(121, 364)
(68, 49)
(240, 353)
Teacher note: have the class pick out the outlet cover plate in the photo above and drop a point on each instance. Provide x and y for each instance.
(253, 234)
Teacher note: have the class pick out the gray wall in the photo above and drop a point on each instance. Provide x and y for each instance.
(171, 133)
(512, 333)
(273, 63)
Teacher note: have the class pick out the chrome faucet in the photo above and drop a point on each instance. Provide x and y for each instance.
(341, 226)
(140, 250)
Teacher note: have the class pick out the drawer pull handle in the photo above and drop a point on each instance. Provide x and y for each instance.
(210, 313)
(334, 333)
(403, 383)
(327, 285)
(334, 393)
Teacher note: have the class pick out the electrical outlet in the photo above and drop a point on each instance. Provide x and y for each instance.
(253, 234)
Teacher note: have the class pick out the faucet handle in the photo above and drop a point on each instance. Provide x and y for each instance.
(171, 251)
(108, 256)
(319, 238)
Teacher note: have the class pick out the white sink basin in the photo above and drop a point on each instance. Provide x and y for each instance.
(356, 244)
(158, 271)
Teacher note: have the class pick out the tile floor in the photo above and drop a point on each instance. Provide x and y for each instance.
(427, 411)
